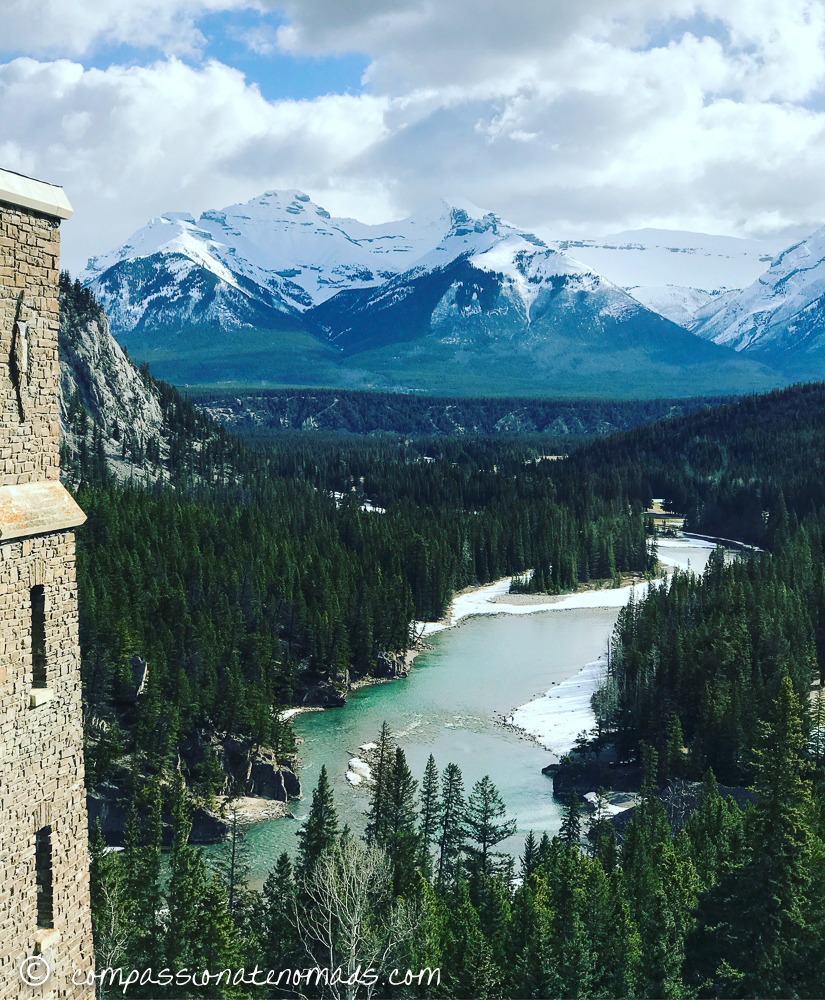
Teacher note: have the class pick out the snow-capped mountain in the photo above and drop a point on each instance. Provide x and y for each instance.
(676, 273)
(452, 298)
(782, 314)
(278, 252)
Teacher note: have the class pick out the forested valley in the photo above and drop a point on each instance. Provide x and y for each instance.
(253, 574)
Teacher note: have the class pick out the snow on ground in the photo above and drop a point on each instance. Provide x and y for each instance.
(616, 801)
(686, 553)
(480, 602)
(556, 719)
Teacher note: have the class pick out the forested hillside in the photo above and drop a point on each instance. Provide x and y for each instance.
(260, 413)
(744, 470)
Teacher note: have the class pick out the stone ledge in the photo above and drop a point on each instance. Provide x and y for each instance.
(37, 509)
(46, 937)
(40, 696)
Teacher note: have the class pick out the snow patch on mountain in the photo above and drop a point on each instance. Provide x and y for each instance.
(675, 273)
(660, 257)
(772, 310)
(528, 268)
(677, 303)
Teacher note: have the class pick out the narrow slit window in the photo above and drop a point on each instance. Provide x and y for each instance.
(43, 864)
(38, 603)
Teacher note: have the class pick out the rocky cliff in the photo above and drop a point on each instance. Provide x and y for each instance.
(106, 404)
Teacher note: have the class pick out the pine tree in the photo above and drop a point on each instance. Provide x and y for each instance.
(753, 936)
(530, 857)
(142, 842)
(277, 922)
(218, 942)
(234, 868)
(544, 848)
(570, 832)
(451, 827)
(601, 833)
(320, 832)
(402, 842)
(429, 811)
(383, 760)
(187, 882)
(485, 830)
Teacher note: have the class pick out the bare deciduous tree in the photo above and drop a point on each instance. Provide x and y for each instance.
(350, 921)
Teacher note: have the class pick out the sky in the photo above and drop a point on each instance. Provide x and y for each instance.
(567, 118)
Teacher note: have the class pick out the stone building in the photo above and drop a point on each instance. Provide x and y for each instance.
(45, 923)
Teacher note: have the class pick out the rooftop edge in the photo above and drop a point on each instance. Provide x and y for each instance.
(27, 192)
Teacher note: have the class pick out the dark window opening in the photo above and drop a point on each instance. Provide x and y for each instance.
(38, 602)
(43, 864)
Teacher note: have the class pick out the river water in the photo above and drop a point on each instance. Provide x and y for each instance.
(452, 706)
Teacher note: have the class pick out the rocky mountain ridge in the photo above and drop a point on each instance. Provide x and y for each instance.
(451, 300)
(781, 315)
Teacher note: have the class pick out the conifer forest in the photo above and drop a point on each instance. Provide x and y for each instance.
(252, 571)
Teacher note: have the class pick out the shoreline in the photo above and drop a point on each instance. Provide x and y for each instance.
(556, 718)
(495, 599)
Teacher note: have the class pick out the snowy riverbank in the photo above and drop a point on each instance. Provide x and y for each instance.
(487, 601)
(556, 719)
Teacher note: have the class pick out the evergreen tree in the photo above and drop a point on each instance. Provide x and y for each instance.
(570, 831)
(320, 832)
(544, 848)
(530, 857)
(601, 833)
(187, 884)
(429, 812)
(402, 841)
(753, 936)
(142, 842)
(485, 828)
(451, 828)
(383, 760)
(277, 918)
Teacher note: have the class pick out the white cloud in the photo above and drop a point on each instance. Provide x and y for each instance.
(128, 144)
(74, 27)
(576, 117)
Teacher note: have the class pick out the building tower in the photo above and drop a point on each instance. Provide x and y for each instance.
(45, 920)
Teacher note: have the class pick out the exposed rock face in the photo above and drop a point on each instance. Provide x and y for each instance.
(96, 375)
(589, 774)
(107, 803)
(391, 665)
(325, 696)
(249, 770)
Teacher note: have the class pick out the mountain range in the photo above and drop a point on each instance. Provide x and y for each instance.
(450, 300)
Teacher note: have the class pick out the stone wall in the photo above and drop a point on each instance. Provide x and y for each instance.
(41, 736)
(29, 251)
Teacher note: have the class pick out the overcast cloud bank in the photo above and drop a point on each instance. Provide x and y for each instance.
(569, 119)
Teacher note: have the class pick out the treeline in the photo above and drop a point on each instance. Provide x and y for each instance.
(735, 470)
(697, 664)
(731, 906)
(262, 412)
